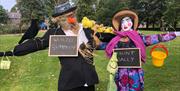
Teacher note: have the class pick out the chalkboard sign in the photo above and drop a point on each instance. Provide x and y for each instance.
(128, 57)
(63, 46)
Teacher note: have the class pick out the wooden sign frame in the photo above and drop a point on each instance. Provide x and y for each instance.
(130, 66)
(60, 55)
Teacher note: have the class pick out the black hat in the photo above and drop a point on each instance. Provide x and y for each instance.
(63, 8)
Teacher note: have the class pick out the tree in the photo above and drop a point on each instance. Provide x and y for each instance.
(14, 8)
(107, 8)
(36, 8)
(172, 15)
(85, 8)
(150, 11)
(3, 15)
(140, 7)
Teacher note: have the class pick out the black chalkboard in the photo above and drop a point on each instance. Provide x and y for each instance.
(128, 57)
(63, 46)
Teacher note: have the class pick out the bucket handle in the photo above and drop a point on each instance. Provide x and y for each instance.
(159, 46)
(4, 57)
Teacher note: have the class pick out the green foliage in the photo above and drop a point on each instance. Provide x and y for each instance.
(11, 29)
(151, 10)
(14, 8)
(29, 9)
(35, 8)
(172, 15)
(107, 8)
(159, 12)
(3, 15)
(85, 8)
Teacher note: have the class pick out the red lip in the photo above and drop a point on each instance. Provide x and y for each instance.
(125, 27)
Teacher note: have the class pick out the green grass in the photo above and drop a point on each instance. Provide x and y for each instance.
(38, 72)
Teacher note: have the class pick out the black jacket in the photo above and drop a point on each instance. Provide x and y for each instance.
(31, 32)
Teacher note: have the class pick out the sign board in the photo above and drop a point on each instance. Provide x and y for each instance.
(63, 46)
(128, 57)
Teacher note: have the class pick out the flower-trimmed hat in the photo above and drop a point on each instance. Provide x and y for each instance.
(63, 9)
(121, 14)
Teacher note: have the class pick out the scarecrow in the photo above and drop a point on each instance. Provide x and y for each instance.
(77, 73)
(125, 24)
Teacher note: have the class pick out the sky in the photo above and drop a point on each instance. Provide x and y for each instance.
(7, 4)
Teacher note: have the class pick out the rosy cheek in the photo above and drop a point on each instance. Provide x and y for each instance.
(129, 24)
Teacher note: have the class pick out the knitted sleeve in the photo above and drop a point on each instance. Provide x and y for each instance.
(157, 38)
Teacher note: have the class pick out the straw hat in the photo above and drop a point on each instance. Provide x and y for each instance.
(124, 13)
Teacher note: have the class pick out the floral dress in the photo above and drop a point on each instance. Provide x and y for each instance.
(132, 79)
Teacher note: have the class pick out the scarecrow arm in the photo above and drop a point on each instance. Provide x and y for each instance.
(157, 38)
(31, 45)
(31, 32)
(24, 48)
(104, 38)
(101, 39)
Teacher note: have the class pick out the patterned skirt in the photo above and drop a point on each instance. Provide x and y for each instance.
(129, 79)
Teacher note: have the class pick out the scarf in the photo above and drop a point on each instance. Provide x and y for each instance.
(134, 36)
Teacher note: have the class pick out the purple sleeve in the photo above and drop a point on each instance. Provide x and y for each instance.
(157, 38)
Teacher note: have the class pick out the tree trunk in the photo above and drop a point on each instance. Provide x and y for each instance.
(20, 27)
(153, 23)
(147, 23)
(175, 24)
(162, 25)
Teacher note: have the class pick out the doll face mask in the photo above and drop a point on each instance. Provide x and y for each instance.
(126, 24)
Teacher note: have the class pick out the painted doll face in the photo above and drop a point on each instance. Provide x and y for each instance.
(126, 24)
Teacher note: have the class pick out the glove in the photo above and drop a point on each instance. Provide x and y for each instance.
(112, 66)
(7, 53)
(2, 54)
(177, 33)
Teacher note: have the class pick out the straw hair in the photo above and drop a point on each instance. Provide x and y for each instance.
(124, 13)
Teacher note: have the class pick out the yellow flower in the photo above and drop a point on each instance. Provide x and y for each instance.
(109, 30)
(100, 30)
(87, 23)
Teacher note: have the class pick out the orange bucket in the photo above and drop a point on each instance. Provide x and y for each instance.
(158, 56)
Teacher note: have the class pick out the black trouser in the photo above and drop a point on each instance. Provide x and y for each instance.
(89, 88)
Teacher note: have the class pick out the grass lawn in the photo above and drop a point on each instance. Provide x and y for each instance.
(38, 72)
